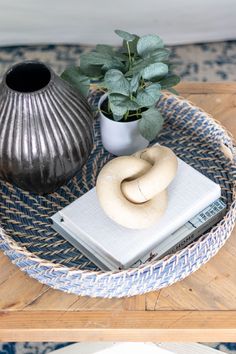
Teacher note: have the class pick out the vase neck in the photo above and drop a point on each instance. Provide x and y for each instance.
(27, 78)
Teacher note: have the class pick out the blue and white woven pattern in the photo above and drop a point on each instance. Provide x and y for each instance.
(28, 241)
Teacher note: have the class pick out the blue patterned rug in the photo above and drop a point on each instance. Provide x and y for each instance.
(224, 347)
(198, 62)
(43, 348)
(30, 348)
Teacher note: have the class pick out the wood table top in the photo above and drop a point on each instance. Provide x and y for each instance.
(202, 307)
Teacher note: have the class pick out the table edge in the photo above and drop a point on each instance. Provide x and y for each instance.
(194, 87)
(118, 326)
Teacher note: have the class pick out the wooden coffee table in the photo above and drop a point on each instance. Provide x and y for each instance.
(200, 308)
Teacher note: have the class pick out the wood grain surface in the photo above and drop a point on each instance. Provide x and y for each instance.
(202, 307)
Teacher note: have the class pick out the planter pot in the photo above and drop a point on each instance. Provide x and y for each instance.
(120, 138)
(46, 128)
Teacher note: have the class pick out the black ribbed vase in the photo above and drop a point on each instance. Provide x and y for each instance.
(46, 128)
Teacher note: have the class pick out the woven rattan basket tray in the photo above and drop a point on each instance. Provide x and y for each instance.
(28, 240)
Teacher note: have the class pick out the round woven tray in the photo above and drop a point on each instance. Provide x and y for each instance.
(28, 240)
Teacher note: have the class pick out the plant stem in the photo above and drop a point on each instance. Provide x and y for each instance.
(126, 115)
(133, 115)
(104, 112)
(129, 54)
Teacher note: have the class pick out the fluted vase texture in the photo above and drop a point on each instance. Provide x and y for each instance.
(46, 128)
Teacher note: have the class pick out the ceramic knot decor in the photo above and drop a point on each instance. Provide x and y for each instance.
(132, 190)
(46, 128)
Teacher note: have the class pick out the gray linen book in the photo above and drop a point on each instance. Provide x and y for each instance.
(111, 246)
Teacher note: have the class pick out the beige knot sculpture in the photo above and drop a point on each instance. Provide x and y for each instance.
(132, 190)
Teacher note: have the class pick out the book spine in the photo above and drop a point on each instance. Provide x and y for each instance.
(187, 233)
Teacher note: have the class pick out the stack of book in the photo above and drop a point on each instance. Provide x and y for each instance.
(194, 206)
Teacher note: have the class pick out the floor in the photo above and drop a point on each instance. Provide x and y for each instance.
(199, 62)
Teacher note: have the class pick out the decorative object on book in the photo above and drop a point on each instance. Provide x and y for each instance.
(46, 128)
(132, 190)
(28, 240)
(133, 78)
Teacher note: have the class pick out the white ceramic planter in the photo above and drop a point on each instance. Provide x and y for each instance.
(120, 138)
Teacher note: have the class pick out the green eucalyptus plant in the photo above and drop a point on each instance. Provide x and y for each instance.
(132, 76)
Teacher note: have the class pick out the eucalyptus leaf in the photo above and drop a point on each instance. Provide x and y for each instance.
(120, 56)
(172, 90)
(77, 79)
(132, 45)
(134, 82)
(116, 82)
(113, 64)
(133, 105)
(169, 81)
(104, 48)
(92, 71)
(148, 97)
(151, 123)
(118, 99)
(96, 58)
(117, 118)
(140, 64)
(125, 35)
(120, 103)
(154, 70)
(116, 54)
(148, 44)
(159, 55)
(135, 70)
(96, 62)
(118, 110)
